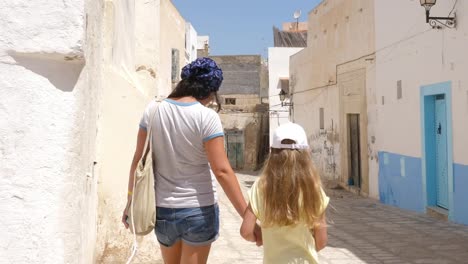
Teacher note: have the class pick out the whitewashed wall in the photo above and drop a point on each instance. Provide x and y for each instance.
(425, 56)
(191, 42)
(411, 51)
(131, 42)
(278, 67)
(49, 85)
(137, 67)
(340, 32)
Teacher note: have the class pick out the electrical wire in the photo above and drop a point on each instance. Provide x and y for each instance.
(453, 8)
(362, 57)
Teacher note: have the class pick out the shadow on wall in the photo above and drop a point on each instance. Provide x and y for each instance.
(62, 71)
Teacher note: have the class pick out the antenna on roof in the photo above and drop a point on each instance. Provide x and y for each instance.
(297, 15)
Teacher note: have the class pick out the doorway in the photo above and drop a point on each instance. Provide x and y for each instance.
(441, 151)
(354, 146)
(235, 148)
(437, 157)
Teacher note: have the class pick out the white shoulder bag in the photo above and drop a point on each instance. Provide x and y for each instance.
(142, 213)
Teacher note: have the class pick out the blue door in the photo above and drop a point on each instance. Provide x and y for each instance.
(441, 151)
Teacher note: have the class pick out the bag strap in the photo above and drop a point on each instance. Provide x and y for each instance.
(149, 142)
(143, 158)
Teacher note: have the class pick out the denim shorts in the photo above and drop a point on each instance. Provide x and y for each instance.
(197, 226)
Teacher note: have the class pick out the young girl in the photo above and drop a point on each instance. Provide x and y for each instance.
(289, 202)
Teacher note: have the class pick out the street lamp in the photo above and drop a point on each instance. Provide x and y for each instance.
(428, 4)
(282, 96)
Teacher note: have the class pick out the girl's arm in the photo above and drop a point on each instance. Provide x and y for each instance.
(224, 174)
(249, 225)
(141, 138)
(320, 234)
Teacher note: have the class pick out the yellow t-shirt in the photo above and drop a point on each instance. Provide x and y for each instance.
(286, 244)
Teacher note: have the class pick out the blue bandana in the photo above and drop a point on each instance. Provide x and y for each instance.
(205, 71)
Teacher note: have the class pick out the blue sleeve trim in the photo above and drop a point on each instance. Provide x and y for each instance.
(221, 134)
(142, 127)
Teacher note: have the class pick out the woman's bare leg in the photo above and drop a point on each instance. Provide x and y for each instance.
(172, 255)
(195, 254)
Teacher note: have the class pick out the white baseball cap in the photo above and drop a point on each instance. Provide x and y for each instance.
(290, 131)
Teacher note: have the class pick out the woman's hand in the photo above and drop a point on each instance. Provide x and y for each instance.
(125, 214)
(141, 138)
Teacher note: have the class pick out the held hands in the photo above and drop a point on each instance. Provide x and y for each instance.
(258, 235)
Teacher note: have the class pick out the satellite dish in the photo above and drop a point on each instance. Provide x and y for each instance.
(297, 14)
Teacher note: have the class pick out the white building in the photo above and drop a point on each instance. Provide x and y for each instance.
(203, 46)
(49, 86)
(75, 77)
(278, 70)
(418, 108)
(191, 43)
(287, 42)
(389, 96)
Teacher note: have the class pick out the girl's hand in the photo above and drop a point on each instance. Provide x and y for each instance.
(258, 235)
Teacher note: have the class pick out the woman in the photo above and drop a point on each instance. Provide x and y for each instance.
(188, 145)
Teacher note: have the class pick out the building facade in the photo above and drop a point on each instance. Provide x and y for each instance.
(417, 111)
(203, 46)
(75, 82)
(144, 53)
(244, 117)
(289, 41)
(191, 43)
(278, 74)
(328, 86)
(50, 84)
(384, 100)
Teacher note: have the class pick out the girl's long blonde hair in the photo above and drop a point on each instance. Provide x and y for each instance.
(291, 189)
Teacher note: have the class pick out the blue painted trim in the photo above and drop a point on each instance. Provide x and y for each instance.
(180, 103)
(460, 177)
(221, 134)
(427, 91)
(400, 181)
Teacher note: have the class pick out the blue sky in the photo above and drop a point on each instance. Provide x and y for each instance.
(241, 26)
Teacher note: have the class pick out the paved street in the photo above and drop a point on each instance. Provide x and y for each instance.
(360, 231)
(365, 231)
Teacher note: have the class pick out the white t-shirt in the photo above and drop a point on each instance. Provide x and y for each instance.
(183, 177)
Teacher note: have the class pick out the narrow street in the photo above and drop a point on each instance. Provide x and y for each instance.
(360, 231)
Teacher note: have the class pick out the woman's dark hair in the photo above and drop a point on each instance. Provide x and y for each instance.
(194, 88)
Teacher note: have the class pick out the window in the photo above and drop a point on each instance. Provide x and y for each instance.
(230, 101)
(322, 118)
(175, 66)
(284, 84)
(399, 90)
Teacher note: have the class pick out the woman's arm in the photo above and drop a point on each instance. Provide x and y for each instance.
(320, 234)
(224, 174)
(141, 139)
(249, 225)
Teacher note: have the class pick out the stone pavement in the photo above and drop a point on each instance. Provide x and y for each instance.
(231, 248)
(360, 231)
(364, 231)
